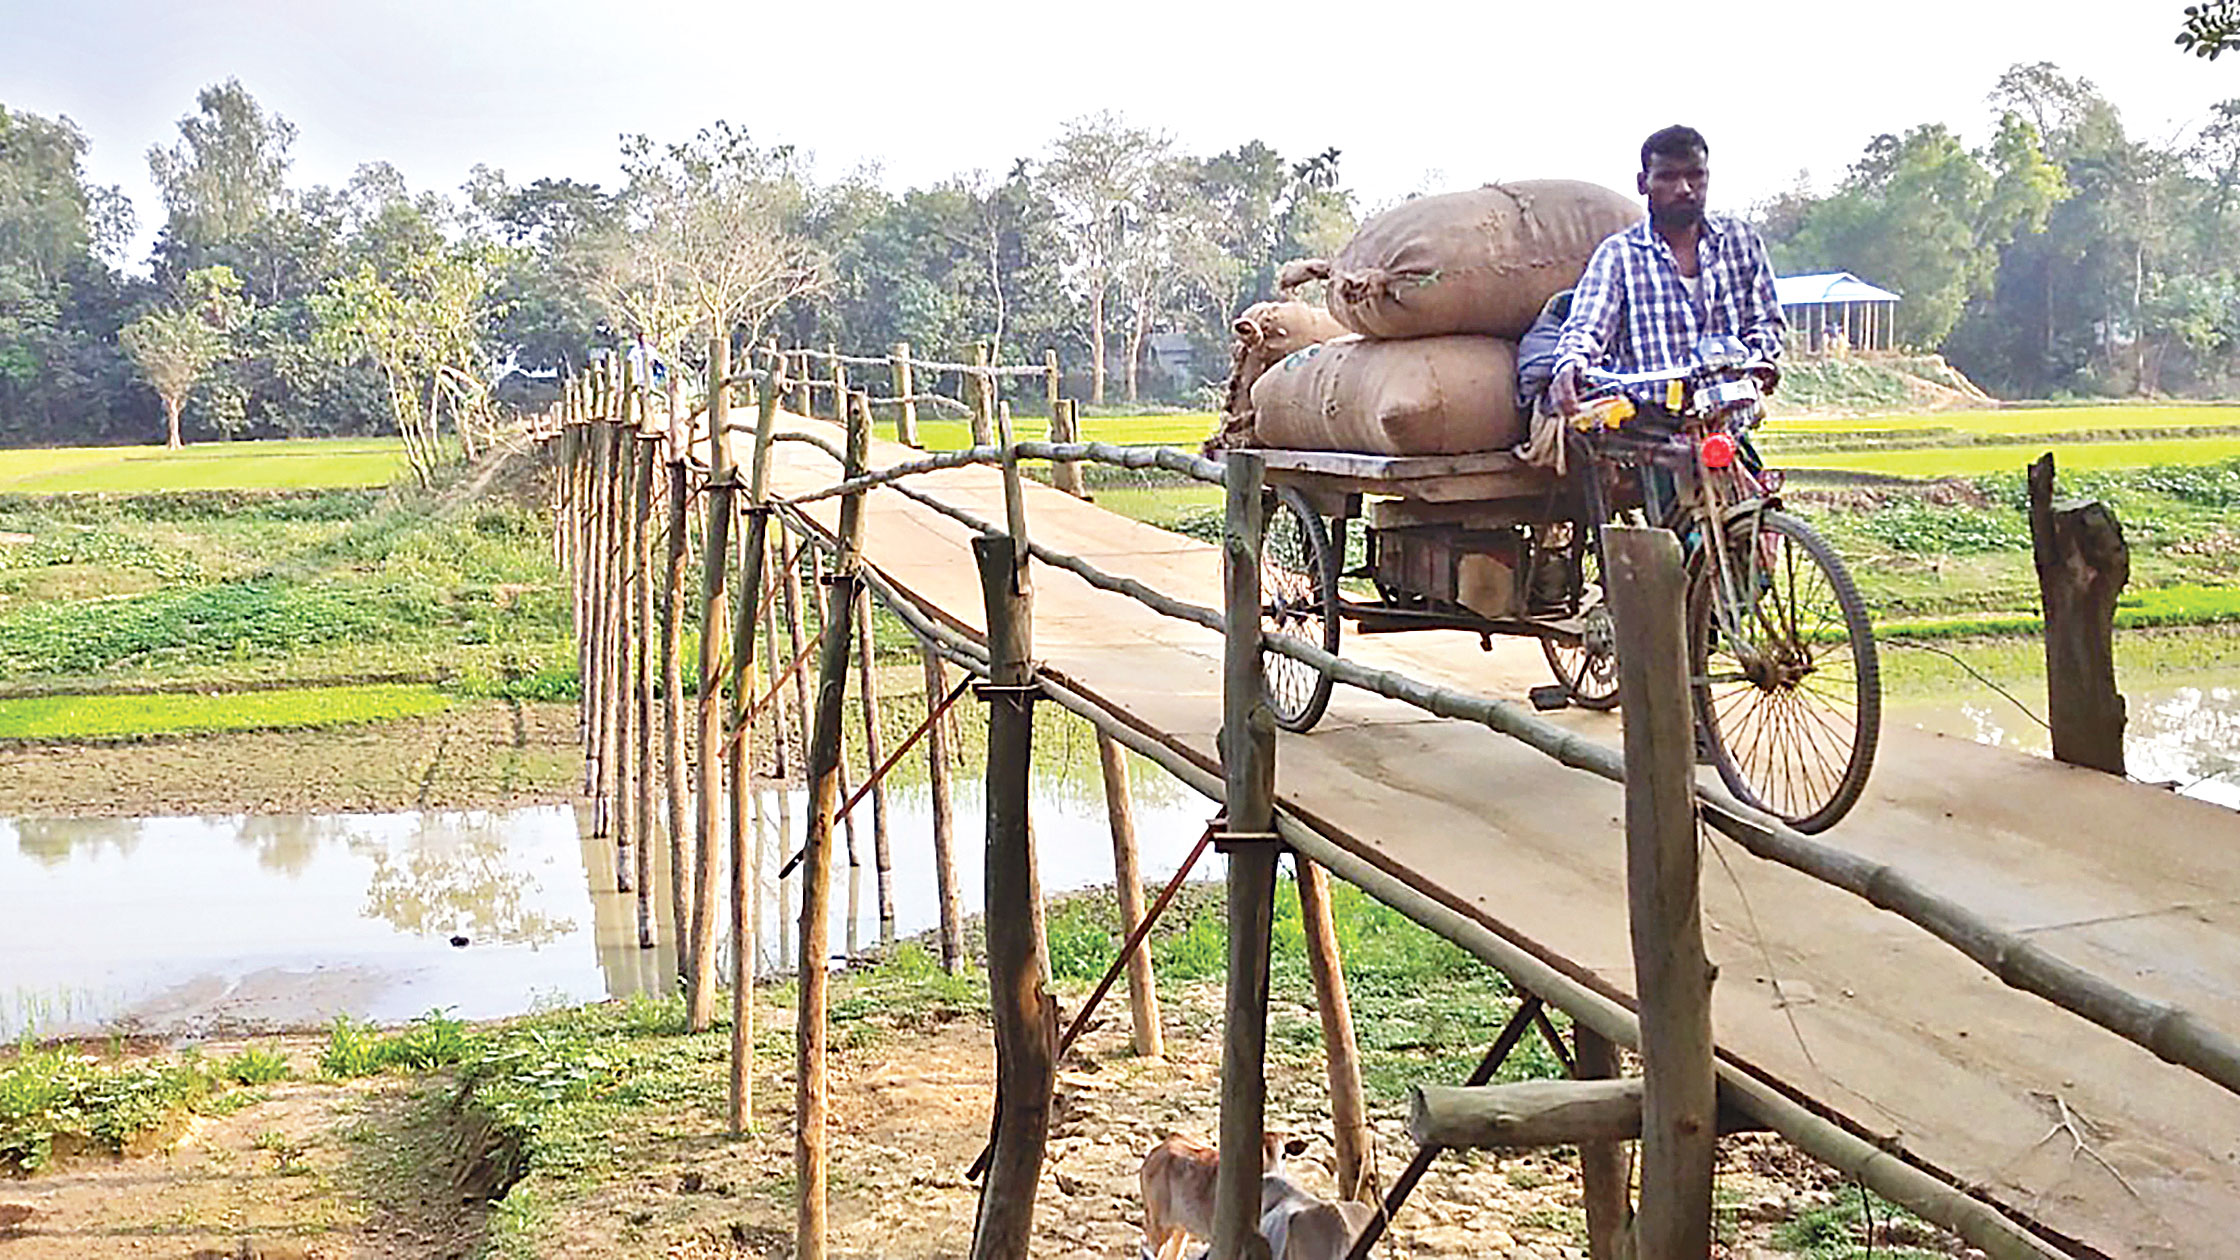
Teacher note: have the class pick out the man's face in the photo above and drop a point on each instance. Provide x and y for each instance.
(1675, 186)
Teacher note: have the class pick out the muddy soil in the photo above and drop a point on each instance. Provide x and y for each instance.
(478, 753)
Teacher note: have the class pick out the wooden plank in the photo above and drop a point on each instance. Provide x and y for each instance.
(1391, 467)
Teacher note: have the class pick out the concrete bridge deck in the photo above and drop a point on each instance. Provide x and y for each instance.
(1854, 1011)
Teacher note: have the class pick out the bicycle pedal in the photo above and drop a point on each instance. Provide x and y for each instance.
(1550, 697)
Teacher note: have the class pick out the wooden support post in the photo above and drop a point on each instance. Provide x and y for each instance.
(672, 675)
(746, 867)
(1024, 1013)
(621, 658)
(1679, 1125)
(780, 726)
(1248, 746)
(810, 1094)
(741, 783)
(906, 415)
(839, 386)
(648, 732)
(1349, 1119)
(944, 829)
(798, 631)
(827, 614)
(1127, 879)
(981, 393)
(2083, 564)
(1065, 476)
(722, 485)
(882, 857)
(1605, 1171)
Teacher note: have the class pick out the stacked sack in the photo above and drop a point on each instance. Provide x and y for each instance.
(1437, 290)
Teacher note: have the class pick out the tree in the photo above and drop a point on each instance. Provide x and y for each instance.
(221, 183)
(1101, 173)
(709, 241)
(174, 346)
(420, 322)
(2210, 28)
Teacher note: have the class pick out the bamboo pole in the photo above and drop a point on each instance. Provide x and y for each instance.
(624, 656)
(722, 483)
(746, 868)
(799, 375)
(944, 834)
(882, 856)
(1065, 475)
(780, 726)
(743, 687)
(613, 645)
(1024, 1014)
(906, 417)
(797, 631)
(811, 1095)
(1248, 756)
(839, 386)
(1127, 880)
(784, 891)
(1349, 1121)
(827, 614)
(983, 395)
(648, 733)
(1605, 1171)
(1679, 1121)
(677, 779)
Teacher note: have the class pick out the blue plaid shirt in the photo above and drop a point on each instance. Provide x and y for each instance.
(1631, 313)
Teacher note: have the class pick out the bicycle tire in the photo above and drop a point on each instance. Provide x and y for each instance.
(1774, 731)
(1298, 597)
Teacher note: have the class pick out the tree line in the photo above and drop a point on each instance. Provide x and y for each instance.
(2061, 256)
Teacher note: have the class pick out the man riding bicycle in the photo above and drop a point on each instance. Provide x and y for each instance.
(1651, 291)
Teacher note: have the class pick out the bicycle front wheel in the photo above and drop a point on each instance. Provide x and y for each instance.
(1298, 597)
(1788, 690)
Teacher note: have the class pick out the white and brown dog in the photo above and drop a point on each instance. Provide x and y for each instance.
(1178, 1184)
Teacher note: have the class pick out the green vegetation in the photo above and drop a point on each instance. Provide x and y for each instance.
(223, 589)
(56, 1101)
(118, 716)
(1185, 429)
(2005, 421)
(1971, 461)
(1856, 1225)
(303, 464)
(356, 1048)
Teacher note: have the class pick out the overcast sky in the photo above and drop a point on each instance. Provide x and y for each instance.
(1423, 97)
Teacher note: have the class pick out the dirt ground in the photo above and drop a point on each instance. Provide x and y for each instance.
(367, 1171)
(478, 753)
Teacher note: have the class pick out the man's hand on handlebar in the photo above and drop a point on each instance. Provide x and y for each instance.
(1563, 390)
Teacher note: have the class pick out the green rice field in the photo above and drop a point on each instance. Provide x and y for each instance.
(299, 464)
(2019, 420)
(1183, 429)
(128, 716)
(1971, 461)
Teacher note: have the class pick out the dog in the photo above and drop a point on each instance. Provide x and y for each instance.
(1301, 1226)
(1177, 1179)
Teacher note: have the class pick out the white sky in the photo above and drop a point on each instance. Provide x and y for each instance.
(1423, 97)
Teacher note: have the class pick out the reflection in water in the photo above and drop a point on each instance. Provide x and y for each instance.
(2189, 736)
(196, 924)
(457, 879)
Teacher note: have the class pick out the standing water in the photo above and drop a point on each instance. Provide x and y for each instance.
(2188, 736)
(196, 925)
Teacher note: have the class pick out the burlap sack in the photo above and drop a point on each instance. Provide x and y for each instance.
(1423, 396)
(1266, 332)
(1483, 261)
